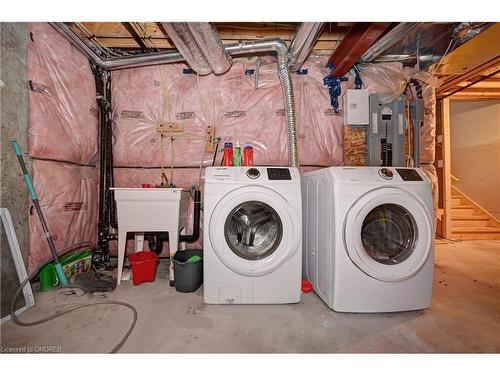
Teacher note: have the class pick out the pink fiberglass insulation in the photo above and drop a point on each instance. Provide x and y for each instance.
(428, 130)
(386, 80)
(430, 171)
(68, 197)
(144, 98)
(63, 109)
(240, 108)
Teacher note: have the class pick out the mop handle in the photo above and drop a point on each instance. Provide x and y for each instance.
(26, 176)
(34, 198)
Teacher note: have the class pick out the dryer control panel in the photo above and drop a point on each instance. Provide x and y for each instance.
(278, 174)
(409, 174)
(383, 175)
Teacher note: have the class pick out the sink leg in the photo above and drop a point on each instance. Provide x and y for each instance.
(183, 244)
(139, 241)
(122, 242)
(173, 247)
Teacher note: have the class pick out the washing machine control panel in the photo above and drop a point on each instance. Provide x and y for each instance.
(278, 174)
(386, 173)
(257, 175)
(253, 173)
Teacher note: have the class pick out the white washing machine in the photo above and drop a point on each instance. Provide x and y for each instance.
(369, 238)
(252, 235)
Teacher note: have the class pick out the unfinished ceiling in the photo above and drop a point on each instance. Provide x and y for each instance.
(440, 48)
(472, 69)
(151, 37)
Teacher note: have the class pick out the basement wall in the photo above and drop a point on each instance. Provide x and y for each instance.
(475, 151)
(63, 131)
(14, 125)
(63, 142)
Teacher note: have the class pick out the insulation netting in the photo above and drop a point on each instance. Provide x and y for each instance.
(63, 141)
(63, 126)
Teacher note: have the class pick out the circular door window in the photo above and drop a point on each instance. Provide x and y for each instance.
(389, 234)
(253, 230)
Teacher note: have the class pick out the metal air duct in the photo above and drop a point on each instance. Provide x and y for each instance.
(209, 42)
(186, 44)
(302, 44)
(390, 39)
(243, 48)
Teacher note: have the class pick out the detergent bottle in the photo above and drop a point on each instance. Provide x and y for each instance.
(237, 155)
(248, 155)
(227, 159)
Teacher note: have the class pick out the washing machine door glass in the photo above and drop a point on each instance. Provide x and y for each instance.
(253, 230)
(389, 234)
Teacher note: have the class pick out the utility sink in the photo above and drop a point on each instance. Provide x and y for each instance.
(150, 210)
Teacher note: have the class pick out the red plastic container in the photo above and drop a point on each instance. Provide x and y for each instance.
(306, 286)
(248, 156)
(227, 160)
(143, 264)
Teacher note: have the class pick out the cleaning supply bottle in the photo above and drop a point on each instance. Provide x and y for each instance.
(248, 155)
(227, 160)
(237, 155)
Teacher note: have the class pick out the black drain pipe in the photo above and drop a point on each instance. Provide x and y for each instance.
(155, 240)
(193, 237)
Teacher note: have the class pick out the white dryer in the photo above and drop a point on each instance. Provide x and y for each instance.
(369, 238)
(252, 235)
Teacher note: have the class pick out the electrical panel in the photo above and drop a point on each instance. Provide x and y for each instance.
(356, 107)
(386, 133)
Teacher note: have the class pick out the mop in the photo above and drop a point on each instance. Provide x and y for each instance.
(34, 198)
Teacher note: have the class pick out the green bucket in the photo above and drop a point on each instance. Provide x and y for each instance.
(72, 264)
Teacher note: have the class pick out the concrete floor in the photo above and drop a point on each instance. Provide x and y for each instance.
(464, 317)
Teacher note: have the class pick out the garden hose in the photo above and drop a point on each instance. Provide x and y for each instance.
(70, 307)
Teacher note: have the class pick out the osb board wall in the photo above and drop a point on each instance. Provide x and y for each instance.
(354, 146)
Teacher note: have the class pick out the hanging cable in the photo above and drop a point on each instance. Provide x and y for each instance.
(358, 82)
(425, 86)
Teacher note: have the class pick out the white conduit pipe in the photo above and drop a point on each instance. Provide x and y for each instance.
(243, 48)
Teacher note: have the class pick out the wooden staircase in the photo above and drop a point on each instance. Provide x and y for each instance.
(469, 221)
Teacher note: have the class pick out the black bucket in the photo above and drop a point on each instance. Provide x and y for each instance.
(188, 276)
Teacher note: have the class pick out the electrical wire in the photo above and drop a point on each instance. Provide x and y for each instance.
(165, 115)
(425, 86)
(69, 307)
(209, 118)
(207, 138)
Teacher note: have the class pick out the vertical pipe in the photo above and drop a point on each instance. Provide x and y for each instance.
(287, 86)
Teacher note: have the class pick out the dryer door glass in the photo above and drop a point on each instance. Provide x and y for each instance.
(253, 230)
(389, 234)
